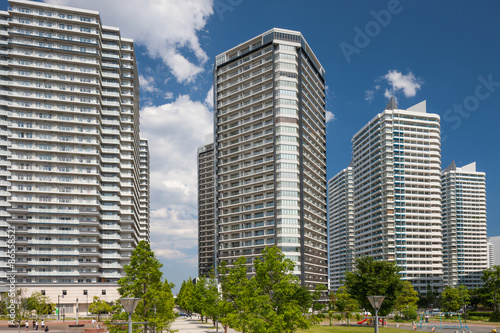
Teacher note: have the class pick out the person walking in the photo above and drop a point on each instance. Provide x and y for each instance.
(27, 326)
(36, 326)
(43, 323)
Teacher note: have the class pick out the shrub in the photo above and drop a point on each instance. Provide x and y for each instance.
(410, 313)
(495, 316)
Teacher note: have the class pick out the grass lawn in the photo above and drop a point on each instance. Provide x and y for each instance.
(351, 329)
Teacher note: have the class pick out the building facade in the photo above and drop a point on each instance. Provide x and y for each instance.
(74, 173)
(465, 250)
(494, 251)
(206, 210)
(397, 192)
(270, 153)
(341, 226)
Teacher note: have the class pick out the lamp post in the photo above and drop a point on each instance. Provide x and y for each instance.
(129, 305)
(59, 306)
(376, 302)
(77, 311)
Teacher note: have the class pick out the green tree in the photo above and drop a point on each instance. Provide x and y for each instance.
(143, 279)
(40, 303)
(373, 277)
(100, 307)
(210, 297)
(453, 299)
(491, 279)
(345, 303)
(407, 298)
(186, 299)
(272, 301)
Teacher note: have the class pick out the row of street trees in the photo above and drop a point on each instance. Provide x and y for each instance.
(271, 301)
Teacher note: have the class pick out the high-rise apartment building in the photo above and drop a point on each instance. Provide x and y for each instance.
(270, 154)
(465, 250)
(494, 251)
(397, 192)
(74, 173)
(206, 210)
(341, 226)
(491, 255)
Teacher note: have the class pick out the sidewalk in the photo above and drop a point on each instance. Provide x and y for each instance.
(55, 326)
(187, 325)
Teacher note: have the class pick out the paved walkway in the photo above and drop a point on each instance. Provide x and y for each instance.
(187, 325)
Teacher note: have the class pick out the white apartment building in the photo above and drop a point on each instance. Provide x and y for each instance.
(494, 251)
(74, 173)
(270, 152)
(465, 250)
(341, 226)
(397, 192)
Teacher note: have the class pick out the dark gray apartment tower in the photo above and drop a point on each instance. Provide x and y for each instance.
(270, 153)
(206, 210)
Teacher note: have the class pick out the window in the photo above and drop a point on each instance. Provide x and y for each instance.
(103, 292)
(64, 292)
(43, 292)
(85, 293)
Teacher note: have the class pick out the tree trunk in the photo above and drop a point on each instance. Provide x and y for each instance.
(225, 328)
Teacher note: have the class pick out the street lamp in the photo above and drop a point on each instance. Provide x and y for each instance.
(129, 305)
(59, 306)
(376, 302)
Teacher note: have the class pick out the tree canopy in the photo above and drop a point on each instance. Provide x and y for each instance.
(143, 279)
(372, 277)
(272, 300)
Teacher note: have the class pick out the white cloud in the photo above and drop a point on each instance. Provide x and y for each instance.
(209, 100)
(175, 131)
(147, 83)
(329, 116)
(369, 95)
(169, 95)
(167, 28)
(408, 84)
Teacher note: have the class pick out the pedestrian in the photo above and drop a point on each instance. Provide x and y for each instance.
(43, 323)
(414, 325)
(33, 324)
(27, 326)
(46, 328)
(36, 326)
(93, 323)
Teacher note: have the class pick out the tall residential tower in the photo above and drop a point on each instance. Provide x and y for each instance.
(465, 249)
(270, 152)
(74, 173)
(341, 226)
(397, 192)
(206, 212)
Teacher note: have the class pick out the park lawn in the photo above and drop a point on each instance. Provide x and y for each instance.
(350, 329)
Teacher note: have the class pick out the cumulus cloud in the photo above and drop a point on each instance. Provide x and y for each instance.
(329, 116)
(175, 131)
(169, 95)
(399, 82)
(167, 28)
(209, 100)
(147, 83)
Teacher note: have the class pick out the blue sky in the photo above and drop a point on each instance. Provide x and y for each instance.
(444, 52)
